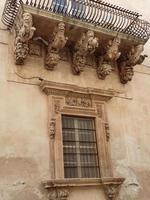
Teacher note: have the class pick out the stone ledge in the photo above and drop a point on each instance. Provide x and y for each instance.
(77, 182)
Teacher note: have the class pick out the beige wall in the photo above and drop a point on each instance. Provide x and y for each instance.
(24, 145)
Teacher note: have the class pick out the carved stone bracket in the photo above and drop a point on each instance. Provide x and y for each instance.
(111, 191)
(107, 62)
(128, 61)
(87, 44)
(58, 42)
(24, 32)
(58, 193)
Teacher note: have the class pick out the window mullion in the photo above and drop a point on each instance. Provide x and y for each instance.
(77, 148)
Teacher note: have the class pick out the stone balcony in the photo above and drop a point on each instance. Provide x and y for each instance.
(111, 36)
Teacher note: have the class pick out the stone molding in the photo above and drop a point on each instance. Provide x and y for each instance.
(72, 91)
(59, 188)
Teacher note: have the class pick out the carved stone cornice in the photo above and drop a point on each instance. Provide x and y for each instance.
(24, 31)
(72, 91)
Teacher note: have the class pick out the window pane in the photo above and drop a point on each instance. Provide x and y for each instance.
(79, 147)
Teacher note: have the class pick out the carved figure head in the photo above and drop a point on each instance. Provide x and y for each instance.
(27, 18)
(117, 41)
(103, 70)
(61, 26)
(78, 63)
(90, 34)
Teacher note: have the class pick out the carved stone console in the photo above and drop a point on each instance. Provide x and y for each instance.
(86, 45)
(24, 31)
(127, 62)
(58, 42)
(108, 61)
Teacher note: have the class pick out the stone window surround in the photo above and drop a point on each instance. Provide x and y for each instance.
(66, 99)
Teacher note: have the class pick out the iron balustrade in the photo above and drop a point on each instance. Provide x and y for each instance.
(96, 12)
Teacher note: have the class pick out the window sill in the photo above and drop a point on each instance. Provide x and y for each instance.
(85, 182)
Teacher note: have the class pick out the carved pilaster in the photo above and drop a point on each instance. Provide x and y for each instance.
(107, 131)
(24, 32)
(52, 128)
(128, 61)
(87, 44)
(58, 42)
(107, 62)
(111, 191)
(58, 194)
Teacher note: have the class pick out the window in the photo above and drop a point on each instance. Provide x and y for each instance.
(79, 147)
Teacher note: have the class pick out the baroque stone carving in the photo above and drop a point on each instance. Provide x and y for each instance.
(56, 106)
(107, 131)
(128, 61)
(58, 194)
(24, 32)
(78, 100)
(54, 47)
(87, 44)
(52, 128)
(111, 191)
(107, 62)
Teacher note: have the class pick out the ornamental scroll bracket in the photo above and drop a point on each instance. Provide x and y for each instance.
(24, 32)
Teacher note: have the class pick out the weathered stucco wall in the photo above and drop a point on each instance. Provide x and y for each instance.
(24, 145)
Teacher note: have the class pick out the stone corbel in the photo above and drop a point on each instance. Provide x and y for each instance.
(87, 44)
(58, 42)
(58, 193)
(107, 62)
(111, 191)
(128, 61)
(24, 32)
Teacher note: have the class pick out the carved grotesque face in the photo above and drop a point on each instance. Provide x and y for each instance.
(61, 26)
(52, 60)
(79, 61)
(27, 18)
(117, 41)
(90, 34)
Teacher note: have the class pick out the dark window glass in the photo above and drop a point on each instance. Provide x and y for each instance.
(79, 147)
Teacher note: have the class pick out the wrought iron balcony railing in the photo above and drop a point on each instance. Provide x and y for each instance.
(96, 12)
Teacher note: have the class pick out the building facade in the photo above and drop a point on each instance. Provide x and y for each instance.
(75, 111)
